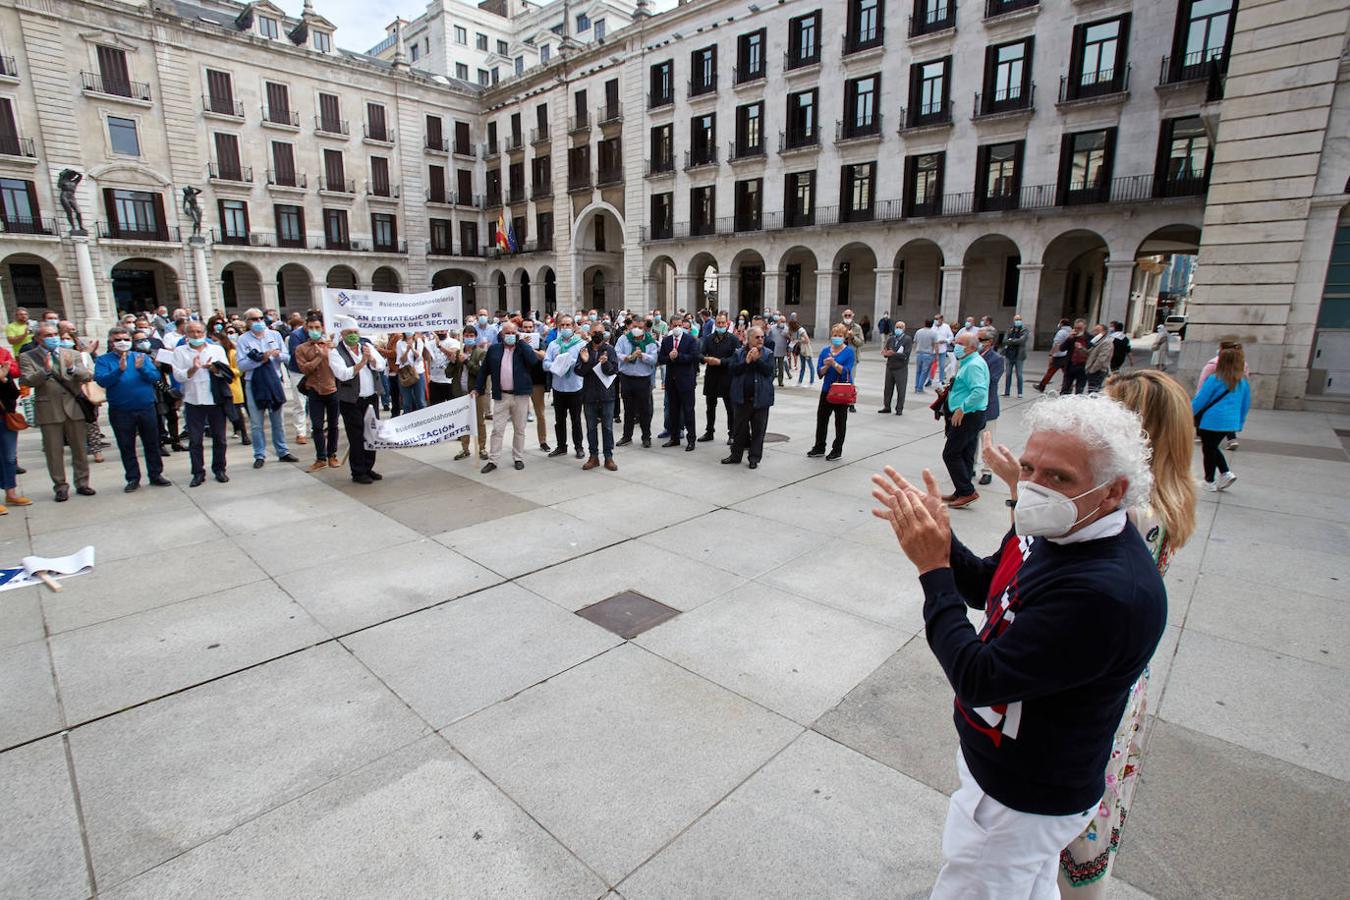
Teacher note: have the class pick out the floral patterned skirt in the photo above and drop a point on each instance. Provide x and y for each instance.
(1085, 863)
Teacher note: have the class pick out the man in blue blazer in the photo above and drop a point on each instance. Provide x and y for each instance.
(751, 396)
(679, 353)
(510, 368)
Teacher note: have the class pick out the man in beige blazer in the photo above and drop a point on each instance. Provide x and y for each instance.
(56, 374)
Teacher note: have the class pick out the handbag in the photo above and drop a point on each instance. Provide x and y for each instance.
(15, 421)
(1206, 408)
(94, 391)
(87, 408)
(842, 393)
(407, 376)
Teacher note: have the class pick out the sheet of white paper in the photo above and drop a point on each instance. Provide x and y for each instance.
(165, 357)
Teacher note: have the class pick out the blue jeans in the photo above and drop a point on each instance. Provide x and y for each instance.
(942, 366)
(276, 417)
(601, 413)
(806, 367)
(9, 457)
(1007, 380)
(921, 370)
(414, 397)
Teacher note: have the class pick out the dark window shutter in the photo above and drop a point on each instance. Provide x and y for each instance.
(1076, 62)
(227, 155)
(1108, 164)
(1160, 164)
(220, 91)
(278, 102)
(941, 180)
(375, 114)
(112, 66)
(434, 138)
(1028, 62)
(329, 112)
(990, 83)
(283, 161)
(110, 209)
(161, 225)
(1122, 53)
(1017, 169)
(33, 210)
(946, 83)
(465, 185)
(915, 89)
(981, 174)
(1065, 168)
(9, 131)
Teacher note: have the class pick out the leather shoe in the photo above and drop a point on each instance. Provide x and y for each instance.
(589, 464)
(948, 498)
(490, 467)
(259, 463)
(222, 478)
(375, 476)
(731, 461)
(884, 410)
(289, 457)
(519, 464)
(544, 446)
(986, 478)
(623, 442)
(814, 452)
(754, 464)
(20, 470)
(85, 490)
(707, 436)
(611, 466)
(580, 455)
(362, 479)
(197, 481)
(131, 487)
(961, 502)
(689, 446)
(646, 442)
(561, 451)
(671, 444)
(160, 481)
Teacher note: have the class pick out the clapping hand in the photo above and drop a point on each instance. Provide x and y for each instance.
(1001, 461)
(140, 358)
(919, 519)
(585, 354)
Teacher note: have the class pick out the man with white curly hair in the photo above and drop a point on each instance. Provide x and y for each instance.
(1074, 608)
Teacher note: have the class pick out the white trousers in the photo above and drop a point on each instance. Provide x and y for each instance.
(299, 404)
(993, 852)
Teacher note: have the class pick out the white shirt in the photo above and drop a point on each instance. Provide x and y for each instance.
(411, 355)
(1107, 526)
(343, 372)
(171, 340)
(438, 351)
(942, 337)
(197, 389)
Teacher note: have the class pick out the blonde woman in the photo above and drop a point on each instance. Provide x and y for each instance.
(1166, 525)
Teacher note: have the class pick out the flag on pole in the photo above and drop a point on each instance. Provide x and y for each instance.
(511, 240)
(503, 243)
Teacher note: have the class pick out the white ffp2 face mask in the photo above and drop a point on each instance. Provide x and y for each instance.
(1041, 512)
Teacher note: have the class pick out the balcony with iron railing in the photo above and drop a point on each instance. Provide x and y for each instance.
(335, 127)
(13, 145)
(138, 232)
(287, 179)
(516, 194)
(697, 159)
(1195, 68)
(579, 123)
(337, 186)
(937, 16)
(1107, 85)
(381, 135)
(246, 239)
(608, 175)
(438, 195)
(610, 114)
(865, 128)
(435, 145)
(540, 136)
(465, 150)
(996, 8)
(473, 201)
(222, 106)
(382, 190)
(7, 67)
(1007, 102)
(657, 101)
(738, 151)
(239, 174)
(489, 150)
(748, 75)
(579, 181)
(492, 199)
(95, 83)
(793, 60)
(661, 166)
(789, 142)
(21, 225)
(926, 115)
(389, 247)
(514, 143)
(542, 190)
(702, 88)
(288, 118)
(863, 39)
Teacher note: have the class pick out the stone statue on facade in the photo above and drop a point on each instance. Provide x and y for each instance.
(66, 183)
(193, 208)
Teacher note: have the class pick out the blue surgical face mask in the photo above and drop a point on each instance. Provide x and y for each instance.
(1017, 322)
(482, 320)
(196, 342)
(51, 343)
(509, 340)
(67, 343)
(837, 341)
(720, 329)
(257, 326)
(959, 351)
(564, 333)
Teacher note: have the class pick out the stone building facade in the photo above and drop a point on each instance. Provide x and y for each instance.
(1046, 158)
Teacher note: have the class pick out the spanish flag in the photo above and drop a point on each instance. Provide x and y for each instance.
(503, 243)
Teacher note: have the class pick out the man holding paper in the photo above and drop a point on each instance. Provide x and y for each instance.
(509, 368)
(598, 366)
(561, 361)
(357, 368)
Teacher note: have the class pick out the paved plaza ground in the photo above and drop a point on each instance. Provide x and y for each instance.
(294, 686)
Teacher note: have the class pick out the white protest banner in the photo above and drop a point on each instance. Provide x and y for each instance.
(446, 421)
(380, 311)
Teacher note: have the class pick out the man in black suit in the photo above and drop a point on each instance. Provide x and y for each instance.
(718, 346)
(679, 353)
(751, 368)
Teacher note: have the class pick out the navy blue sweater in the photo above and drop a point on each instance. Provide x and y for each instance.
(1042, 684)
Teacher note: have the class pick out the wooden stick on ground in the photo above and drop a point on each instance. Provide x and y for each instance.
(49, 581)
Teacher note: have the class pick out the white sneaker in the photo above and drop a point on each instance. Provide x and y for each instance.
(1209, 485)
(1225, 480)
(1231, 445)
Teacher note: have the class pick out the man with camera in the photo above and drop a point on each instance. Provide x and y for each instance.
(131, 379)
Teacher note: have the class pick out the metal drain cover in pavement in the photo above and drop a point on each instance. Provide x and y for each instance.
(773, 437)
(628, 614)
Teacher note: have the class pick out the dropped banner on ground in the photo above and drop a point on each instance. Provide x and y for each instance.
(380, 311)
(446, 421)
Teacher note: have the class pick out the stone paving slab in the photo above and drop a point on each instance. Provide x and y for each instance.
(21, 616)
(819, 820)
(162, 531)
(619, 755)
(112, 665)
(28, 707)
(634, 509)
(527, 541)
(759, 544)
(1241, 611)
(41, 856)
(796, 657)
(830, 575)
(301, 544)
(453, 660)
(419, 822)
(162, 778)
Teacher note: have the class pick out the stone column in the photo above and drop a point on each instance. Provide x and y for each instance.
(885, 288)
(728, 290)
(825, 281)
(268, 289)
(89, 302)
(951, 294)
(1029, 297)
(206, 303)
(771, 288)
(1116, 292)
(316, 296)
(684, 292)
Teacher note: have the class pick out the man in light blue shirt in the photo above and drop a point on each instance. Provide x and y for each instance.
(637, 363)
(966, 404)
(261, 354)
(560, 360)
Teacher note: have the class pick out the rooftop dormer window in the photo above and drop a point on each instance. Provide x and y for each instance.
(268, 27)
(323, 42)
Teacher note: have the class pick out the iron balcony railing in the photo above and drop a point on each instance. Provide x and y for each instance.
(386, 191)
(287, 179)
(696, 159)
(7, 67)
(994, 8)
(139, 232)
(1007, 100)
(663, 166)
(699, 88)
(656, 101)
(863, 39)
(578, 123)
(222, 106)
(607, 176)
(330, 126)
(27, 225)
(17, 146)
(854, 129)
(379, 135)
(738, 151)
(241, 174)
(281, 117)
(788, 141)
(925, 114)
(96, 83)
(439, 145)
(541, 191)
(1107, 83)
(609, 114)
(540, 136)
(1192, 68)
(340, 186)
(793, 60)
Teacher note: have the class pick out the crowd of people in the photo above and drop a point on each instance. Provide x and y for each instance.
(170, 379)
